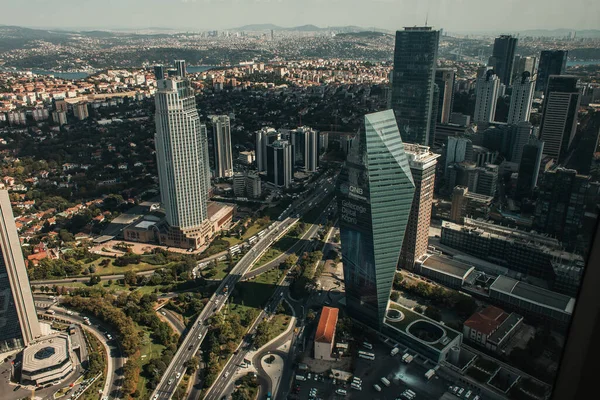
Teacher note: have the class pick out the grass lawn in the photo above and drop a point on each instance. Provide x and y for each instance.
(231, 240)
(150, 350)
(252, 230)
(256, 292)
(278, 323)
(111, 269)
(280, 247)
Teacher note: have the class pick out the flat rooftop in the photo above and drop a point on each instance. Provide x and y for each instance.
(534, 294)
(448, 266)
(48, 352)
(505, 327)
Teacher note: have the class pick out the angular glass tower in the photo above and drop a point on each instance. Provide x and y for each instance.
(375, 192)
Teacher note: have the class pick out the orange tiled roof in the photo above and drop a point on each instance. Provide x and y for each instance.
(487, 320)
(327, 323)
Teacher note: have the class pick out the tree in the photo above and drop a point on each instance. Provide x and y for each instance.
(419, 309)
(192, 364)
(291, 261)
(398, 278)
(66, 236)
(395, 296)
(94, 280)
(433, 313)
(130, 277)
(310, 315)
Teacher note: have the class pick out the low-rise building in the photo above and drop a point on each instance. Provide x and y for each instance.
(491, 327)
(325, 335)
(445, 270)
(47, 360)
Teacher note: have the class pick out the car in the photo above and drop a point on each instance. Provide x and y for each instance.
(171, 381)
(178, 375)
(308, 376)
(163, 313)
(200, 336)
(17, 388)
(155, 397)
(190, 347)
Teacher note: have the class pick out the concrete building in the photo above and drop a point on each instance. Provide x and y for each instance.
(444, 78)
(552, 62)
(81, 111)
(491, 327)
(486, 96)
(263, 138)
(279, 163)
(222, 146)
(181, 68)
(422, 164)
(529, 168)
(375, 191)
(413, 79)
(458, 149)
(47, 360)
(182, 160)
(445, 270)
(19, 324)
(305, 145)
(487, 180)
(559, 119)
(503, 57)
(59, 117)
(460, 119)
(469, 204)
(521, 99)
(325, 335)
(247, 184)
(239, 184)
(524, 64)
(246, 157)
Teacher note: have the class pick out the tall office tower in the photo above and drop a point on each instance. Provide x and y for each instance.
(565, 199)
(222, 146)
(503, 57)
(458, 149)
(375, 191)
(182, 158)
(434, 113)
(523, 64)
(559, 118)
(520, 135)
(159, 72)
(521, 98)
(18, 319)
(279, 163)
(552, 62)
(305, 144)
(323, 142)
(444, 78)
(422, 164)
(486, 92)
(529, 168)
(263, 138)
(181, 68)
(413, 75)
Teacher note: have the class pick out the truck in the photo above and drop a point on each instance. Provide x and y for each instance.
(300, 378)
(377, 387)
(302, 367)
(394, 351)
(429, 374)
(385, 381)
(407, 358)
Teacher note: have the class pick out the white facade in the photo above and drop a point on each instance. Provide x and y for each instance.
(182, 155)
(222, 146)
(457, 150)
(486, 92)
(520, 100)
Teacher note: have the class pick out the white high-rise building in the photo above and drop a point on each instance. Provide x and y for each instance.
(182, 158)
(521, 98)
(486, 92)
(222, 146)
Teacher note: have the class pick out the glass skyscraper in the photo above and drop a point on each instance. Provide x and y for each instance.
(552, 62)
(412, 80)
(503, 58)
(375, 194)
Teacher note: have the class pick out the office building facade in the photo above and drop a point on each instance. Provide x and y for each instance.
(422, 164)
(524, 64)
(529, 168)
(458, 149)
(486, 96)
(559, 119)
(444, 79)
(19, 324)
(159, 72)
(279, 163)
(412, 83)
(263, 137)
(182, 159)
(503, 57)
(552, 62)
(181, 68)
(521, 99)
(469, 204)
(305, 142)
(222, 147)
(375, 191)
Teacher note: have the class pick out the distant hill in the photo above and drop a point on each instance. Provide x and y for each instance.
(363, 34)
(305, 28)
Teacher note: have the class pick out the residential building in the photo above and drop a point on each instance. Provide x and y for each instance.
(19, 324)
(469, 204)
(521, 99)
(422, 164)
(375, 191)
(503, 57)
(444, 78)
(279, 163)
(559, 119)
(491, 327)
(524, 64)
(486, 96)
(458, 149)
(529, 168)
(412, 83)
(59, 117)
(222, 146)
(552, 62)
(325, 335)
(246, 157)
(182, 160)
(81, 111)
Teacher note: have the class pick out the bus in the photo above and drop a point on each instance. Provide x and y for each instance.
(368, 345)
(366, 356)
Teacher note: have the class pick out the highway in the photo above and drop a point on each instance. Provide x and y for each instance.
(196, 333)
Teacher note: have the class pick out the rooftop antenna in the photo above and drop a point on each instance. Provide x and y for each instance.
(426, 17)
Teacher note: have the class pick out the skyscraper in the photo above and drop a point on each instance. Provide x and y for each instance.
(486, 96)
(422, 164)
(305, 143)
(159, 72)
(182, 158)
(222, 146)
(280, 169)
(521, 98)
(559, 119)
(18, 319)
(519, 136)
(458, 149)
(181, 68)
(552, 62)
(503, 57)
(375, 193)
(262, 140)
(415, 57)
(523, 64)
(444, 78)
(529, 168)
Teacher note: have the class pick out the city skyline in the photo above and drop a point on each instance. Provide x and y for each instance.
(383, 14)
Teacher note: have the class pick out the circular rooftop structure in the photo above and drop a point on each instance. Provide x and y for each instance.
(426, 331)
(394, 315)
(45, 353)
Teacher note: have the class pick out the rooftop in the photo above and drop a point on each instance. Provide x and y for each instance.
(487, 320)
(533, 294)
(48, 352)
(448, 266)
(327, 323)
(505, 327)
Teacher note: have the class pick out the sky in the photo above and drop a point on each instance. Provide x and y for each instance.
(451, 15)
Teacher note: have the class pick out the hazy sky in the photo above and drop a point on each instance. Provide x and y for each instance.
(452, 15)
